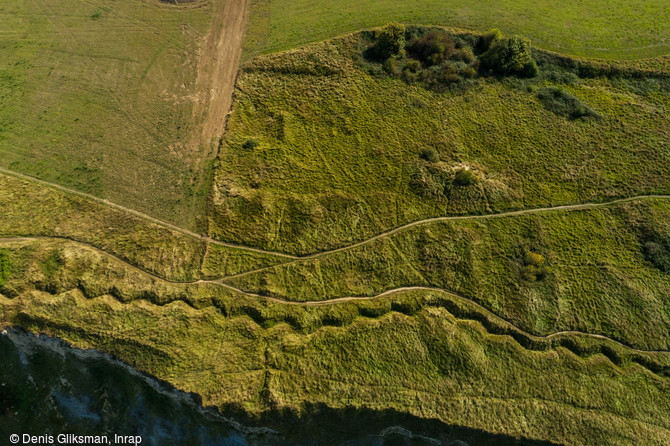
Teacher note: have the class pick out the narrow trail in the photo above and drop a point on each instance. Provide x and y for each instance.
(340, 300)
(137, 213)
(567, 207)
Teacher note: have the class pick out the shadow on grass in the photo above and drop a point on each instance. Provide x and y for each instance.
(324, 425)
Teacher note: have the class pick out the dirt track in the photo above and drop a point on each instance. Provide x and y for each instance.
(218, 63)
(340, 300)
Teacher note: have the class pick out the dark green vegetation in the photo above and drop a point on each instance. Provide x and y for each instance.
(353, 151)
(612, 29)
(100, 97)
(436, 58)
(559, 101)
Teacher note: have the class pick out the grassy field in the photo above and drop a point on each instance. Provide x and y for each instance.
(603, 29)
(99, 96)
(422, 361)
(324, 148)
(34, 210)
(597, 279)
(545, 325)
(419, 352)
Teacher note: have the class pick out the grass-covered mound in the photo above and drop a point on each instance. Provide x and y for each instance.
(325, 147)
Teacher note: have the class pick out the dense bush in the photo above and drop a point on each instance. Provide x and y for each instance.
(510, 56)
(534, 267)
(433, 48)
(488, 38)
(658, 254)
(389, 41)
(440, 60)
(464, 54)
(430, 155)
(656, 249)
(465, 177)
(250, 144)
(559, 101)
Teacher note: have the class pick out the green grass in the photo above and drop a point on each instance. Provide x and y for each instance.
(5, 267)
(34, 210)
(612, 29)
(340, 142)
(324, 149)
(598, 278)
(429, 364)
(423, 353)
(99, 97)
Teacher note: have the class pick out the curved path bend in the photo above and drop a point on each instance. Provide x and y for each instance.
(567, 207)
(339, 300)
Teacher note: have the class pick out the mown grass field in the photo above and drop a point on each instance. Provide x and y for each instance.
(603, 29)
(324, 149)
(99, 96)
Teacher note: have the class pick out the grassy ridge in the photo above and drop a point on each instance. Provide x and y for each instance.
(323, 148)
(59, 266)
(613, 29)
(99, 96)
(429, 364)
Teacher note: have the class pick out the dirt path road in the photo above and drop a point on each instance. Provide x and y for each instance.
(295, 258)
(217, 68)
(339, 300)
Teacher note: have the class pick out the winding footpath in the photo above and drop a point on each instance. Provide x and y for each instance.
(565, 208)
(339, 300)
(294, 258)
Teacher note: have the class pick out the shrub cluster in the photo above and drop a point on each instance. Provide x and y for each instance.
(434, 179)
(389, 41)
(534, 267)
(437, 58)
(465, 177)
(433, 48)
(510, 56)
(430, 155)
(656, 250)
(250, 144)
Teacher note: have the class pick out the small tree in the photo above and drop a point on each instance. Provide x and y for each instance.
(430, 154)
(389, 40)
(465, 177)
(510, 56)
(250, 144)
(488, 38)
